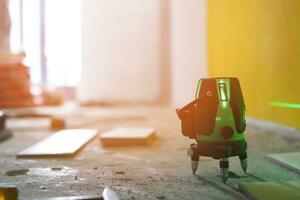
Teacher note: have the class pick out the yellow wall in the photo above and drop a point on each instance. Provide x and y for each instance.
(258, 41)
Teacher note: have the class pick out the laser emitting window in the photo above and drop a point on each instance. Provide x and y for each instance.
(222, 91)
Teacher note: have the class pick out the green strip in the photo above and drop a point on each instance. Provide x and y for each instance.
(284, 105)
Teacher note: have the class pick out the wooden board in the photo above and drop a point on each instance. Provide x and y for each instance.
(271, 190)
(8, 192)
(290, 161)
(62, 143)
(75, 198)
(128, 136)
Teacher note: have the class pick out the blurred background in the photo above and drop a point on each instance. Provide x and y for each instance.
(111, 52)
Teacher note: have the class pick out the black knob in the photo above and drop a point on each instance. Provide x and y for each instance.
(2, 120)
(226, 132)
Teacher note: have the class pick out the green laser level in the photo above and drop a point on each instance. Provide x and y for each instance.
(216, 120)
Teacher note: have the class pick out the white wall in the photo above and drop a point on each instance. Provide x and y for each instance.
(188, 48)
(127, 49)
(120, 50)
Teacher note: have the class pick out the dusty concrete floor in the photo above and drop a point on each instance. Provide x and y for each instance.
(160, 171)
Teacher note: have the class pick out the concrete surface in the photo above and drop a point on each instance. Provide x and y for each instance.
(160, 171)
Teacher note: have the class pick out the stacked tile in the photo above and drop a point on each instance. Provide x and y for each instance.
(14, 84)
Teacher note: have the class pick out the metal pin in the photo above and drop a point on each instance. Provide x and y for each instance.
(244, 164)
(192, 152)
(224, 169)
(243, 161)
(194, 165)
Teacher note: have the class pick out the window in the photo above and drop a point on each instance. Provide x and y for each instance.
(49, 32)
(223, 92)
(25, 34)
